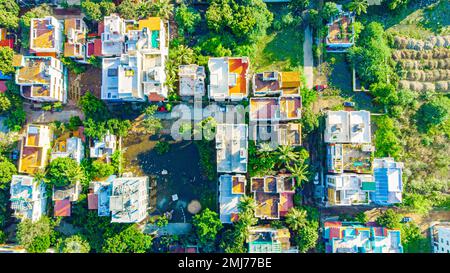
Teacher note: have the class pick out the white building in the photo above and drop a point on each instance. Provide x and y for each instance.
(138, 66)
(41, 79)
(349, 189)
(129, 200)
(113, 35)
(192, 80)
(231, 189)
(441, 238)
(28, 197)
(347, 127)
(103, 147)
(46, 36)
(73, 148)
(232, 148)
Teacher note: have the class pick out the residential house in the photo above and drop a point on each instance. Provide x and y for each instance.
(286, 134)
(139, 70)
(274, 195)
(345, 237)
(113, 35)
(192, 80)
(341, 34)
(388, 179)
(231, 189)
(440, 237)
(40, 78)
(63, 196)
(232, 148)
(275, 109)
(276, 83)
(350, 189)
(104, 147)
(34, 149)
(355, 158)
(46, 36)
(229, 78)
(347, 127)
(125, 199)
(75, 45)
(28, 197)
(68, 145)
(269, 240)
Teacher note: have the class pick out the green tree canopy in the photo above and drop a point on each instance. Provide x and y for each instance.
(129, 240)
(296, 219)
(207, 225)
(64, 171)
(433, 113)
(187, 18)
(372, 56)
(95, 11)
(74, 244)
(6, 56)
(358, 6)
(35, 237)
(245, 20)
(389, 219)
(307, 237)
(387, 142)
(101, 169)
(7, 170)
(9, 14)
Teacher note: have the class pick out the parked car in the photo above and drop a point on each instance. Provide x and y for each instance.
(349, 104)
(406, 220)
(321, 87)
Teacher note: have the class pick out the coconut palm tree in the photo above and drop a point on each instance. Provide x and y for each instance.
(286, 154)
(296, 218)
(358, 6)
(162, 8)
(184, 55)
(246, 205)
(299, 171)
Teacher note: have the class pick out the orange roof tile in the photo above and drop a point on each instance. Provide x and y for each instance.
(152, 23)
(62, 208)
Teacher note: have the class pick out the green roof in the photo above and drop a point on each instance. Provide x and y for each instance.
(368, 186)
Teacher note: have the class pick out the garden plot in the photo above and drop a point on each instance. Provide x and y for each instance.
(425, 64)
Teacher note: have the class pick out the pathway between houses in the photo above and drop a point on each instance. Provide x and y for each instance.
(308, 58)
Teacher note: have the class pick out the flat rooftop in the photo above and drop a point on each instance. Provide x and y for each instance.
(42, 33)
(232, 148)
(231, 189)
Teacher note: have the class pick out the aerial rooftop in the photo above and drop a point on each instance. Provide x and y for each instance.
(228, 78)
(34, 148)
(232, 148)
(388, 178)
(348, 189)
(46, 35)
(231, 189)
(275, 108)
(347, 127)
(344, 237)
(357, 158)
(28, 197)
(269, 240)
(192, 80)
(273, 195)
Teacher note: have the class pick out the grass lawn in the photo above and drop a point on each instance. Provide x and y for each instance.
(279, 50)
(414, 22)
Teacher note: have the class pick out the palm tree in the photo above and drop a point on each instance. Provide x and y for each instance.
(286, 154)
(246, 205)
(163, 8)
(265, 147)
(185, 55)
(296, 218)
(299, 171)
(358, 6)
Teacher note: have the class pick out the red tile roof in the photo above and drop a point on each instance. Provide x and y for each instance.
(335, 232)
(3, 87)
(92, 201)
(101, 28)
(98, 47)
(7, 42)
(287, 202)
(62, 207)
(155, 97)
